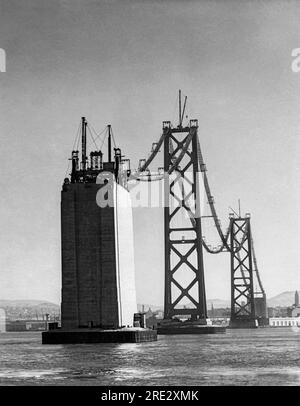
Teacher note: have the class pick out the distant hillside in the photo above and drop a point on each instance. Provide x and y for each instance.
(29, 309)
(283, 299)
(21, 309)
(26, 303)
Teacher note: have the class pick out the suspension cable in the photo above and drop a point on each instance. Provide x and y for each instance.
(147, 178)
(256, 268)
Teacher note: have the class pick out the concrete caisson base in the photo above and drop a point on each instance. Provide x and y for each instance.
(89, 336)
(191, 330)
(243, 323)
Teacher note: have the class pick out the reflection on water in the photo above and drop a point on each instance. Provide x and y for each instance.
(28, 373)
(240, 357)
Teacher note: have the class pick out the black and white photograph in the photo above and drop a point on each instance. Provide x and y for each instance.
(150, 196)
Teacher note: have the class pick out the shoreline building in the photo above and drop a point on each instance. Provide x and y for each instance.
(296, 299)
(291, 318)
(284, 321)
(296, 307)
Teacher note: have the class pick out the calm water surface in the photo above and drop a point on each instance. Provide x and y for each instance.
(239, 357)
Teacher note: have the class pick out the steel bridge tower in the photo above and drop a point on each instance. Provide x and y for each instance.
(183, 243)
(243, 313)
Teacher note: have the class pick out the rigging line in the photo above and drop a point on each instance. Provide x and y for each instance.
(95, 132)
(190, 112)
(75, 139)
(104, 138)
(78, 141)
(67, 169)
(77, 134)
(92, 136)
(183, 111)
(175, 109)
(113, 138)
(233, 211)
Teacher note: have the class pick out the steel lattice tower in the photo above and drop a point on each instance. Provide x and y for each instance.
(184, 279)
(242, 292)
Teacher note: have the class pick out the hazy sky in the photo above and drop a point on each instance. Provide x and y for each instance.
(122, 62)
